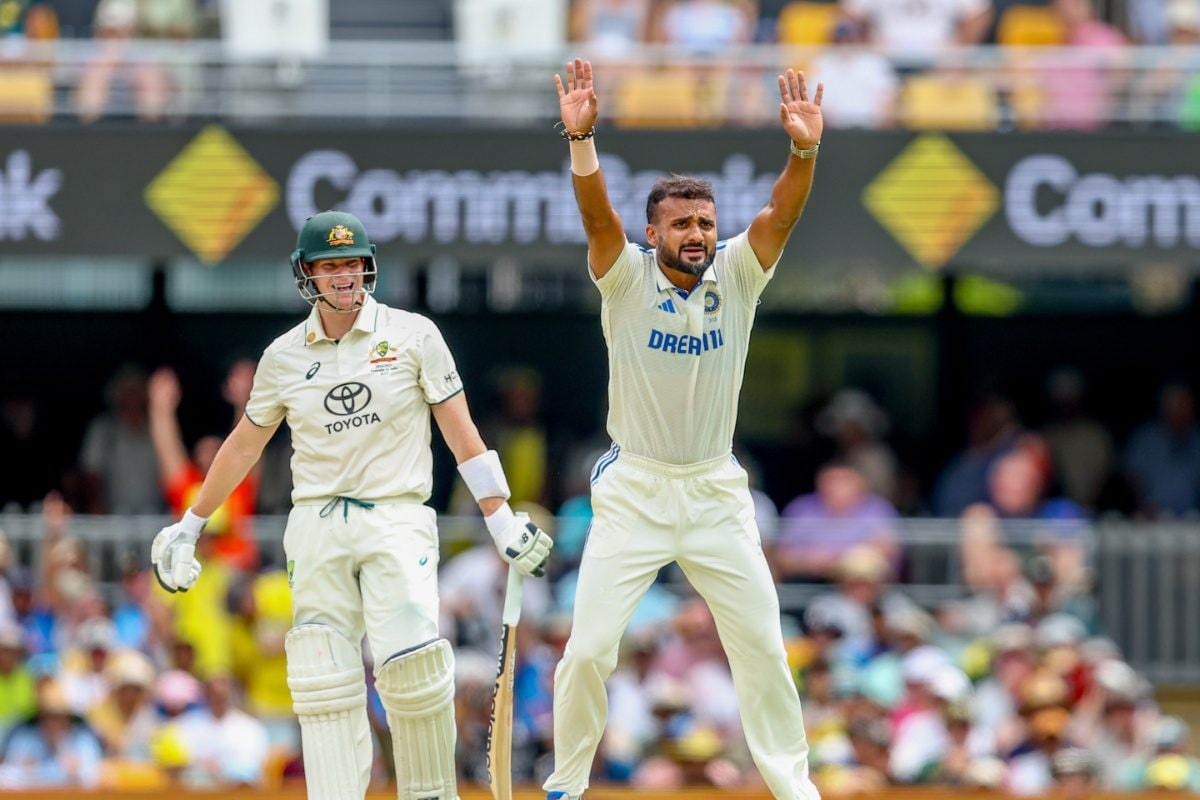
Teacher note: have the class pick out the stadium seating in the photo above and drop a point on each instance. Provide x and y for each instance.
(1030, 26)
(26, 95)
(806, 23)
(658, 99)
(953, 102)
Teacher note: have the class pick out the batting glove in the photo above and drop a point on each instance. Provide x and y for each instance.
(520, 542)
(173, 553)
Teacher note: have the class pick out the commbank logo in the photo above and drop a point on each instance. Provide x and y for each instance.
(931, 199)
(212, 194)
(347, 398)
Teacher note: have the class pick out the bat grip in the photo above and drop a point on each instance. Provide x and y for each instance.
(512, 598)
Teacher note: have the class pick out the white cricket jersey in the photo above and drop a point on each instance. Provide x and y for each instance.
(676, 359)
(358, 408)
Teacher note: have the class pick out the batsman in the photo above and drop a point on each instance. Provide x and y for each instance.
(677, 317)
(357, 382)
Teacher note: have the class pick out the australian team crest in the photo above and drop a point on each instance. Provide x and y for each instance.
(340, 234)
(383, 357)
(712, 301)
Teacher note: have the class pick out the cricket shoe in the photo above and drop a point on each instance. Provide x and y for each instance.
(559, 795)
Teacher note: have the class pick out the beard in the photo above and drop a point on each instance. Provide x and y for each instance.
(676, 262)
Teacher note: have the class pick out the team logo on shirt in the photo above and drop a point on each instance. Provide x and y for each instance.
(712, 301)
(380, 352)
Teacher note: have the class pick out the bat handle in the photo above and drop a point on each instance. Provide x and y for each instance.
(512, 598)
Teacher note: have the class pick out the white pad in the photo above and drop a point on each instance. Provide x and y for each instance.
(329, 695)
(417, 689)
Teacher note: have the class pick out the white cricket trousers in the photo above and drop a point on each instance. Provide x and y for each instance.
(366, 570)
(645, 515)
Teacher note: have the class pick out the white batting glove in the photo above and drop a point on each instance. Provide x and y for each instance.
(173, 553)
(520, 542)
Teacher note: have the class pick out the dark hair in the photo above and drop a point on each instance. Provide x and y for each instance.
(679, 186)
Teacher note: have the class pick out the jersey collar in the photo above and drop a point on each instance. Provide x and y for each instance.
(664, 283)
(367, 321)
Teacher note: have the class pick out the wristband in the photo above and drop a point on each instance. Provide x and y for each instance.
(500, 522)
(584, 160)
(484, 476)
(192, 523)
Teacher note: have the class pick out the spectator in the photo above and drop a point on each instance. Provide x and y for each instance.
(1168, 89)
(861, 574)
(818, 530)
(117, 455)
(520, 436)
(25, 473)
(1162, 458)
(85, 664)
(229, 536)
(856, 425)
(920, 740)
(1018, 514)
(706, 27)
(262, 609)
(125, 720)
(1110, 724)
(1081, 447)
(992, 429)
(18, 698)
(471, 587)
(917, 32)
(1077, 83)
(226, 746)
(7, 612)
(117, 24)
(1146, 21)
(1171, 764)
(36, 620)
(609, 28)
(1074, 772)
(861, 83)
(53, 751)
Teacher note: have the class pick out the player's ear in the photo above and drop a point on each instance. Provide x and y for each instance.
(651, 235)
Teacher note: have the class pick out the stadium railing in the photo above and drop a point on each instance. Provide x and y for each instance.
(406, 81)
(1145, 576)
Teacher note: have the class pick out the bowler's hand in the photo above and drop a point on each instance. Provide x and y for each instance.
(577, 98)
(801, 117)
(520, 542)
(173, 554)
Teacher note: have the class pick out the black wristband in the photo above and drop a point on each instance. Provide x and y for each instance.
(574, 136)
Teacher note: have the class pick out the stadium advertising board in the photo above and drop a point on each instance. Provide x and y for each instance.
(884, 201)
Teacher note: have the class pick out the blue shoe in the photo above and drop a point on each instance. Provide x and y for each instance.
(558, 795)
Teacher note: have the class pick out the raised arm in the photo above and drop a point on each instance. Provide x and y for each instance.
(238, 454)
(173, 551)
(803, 123)
(579, 106)
(163, 391)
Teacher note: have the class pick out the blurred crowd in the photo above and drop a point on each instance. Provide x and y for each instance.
(106, 680)
(1061, 64)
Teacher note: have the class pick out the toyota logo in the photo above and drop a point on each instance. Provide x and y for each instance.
(347, 398)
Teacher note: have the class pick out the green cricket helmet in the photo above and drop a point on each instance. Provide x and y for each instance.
(331, 234)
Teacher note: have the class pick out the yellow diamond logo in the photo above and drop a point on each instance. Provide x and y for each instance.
(212, 194)
(932, 199)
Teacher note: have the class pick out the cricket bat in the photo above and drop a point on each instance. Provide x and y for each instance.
(499, 739)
